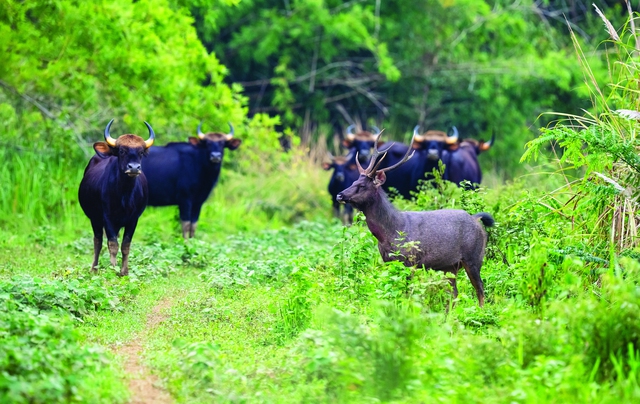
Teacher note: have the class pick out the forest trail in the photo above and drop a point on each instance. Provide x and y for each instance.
(143, 384)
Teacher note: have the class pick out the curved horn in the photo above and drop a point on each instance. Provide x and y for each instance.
(490, 142)
(350, 135)
(229, 136)
(376, 129)
(350, 129)
(200, 134)
(484, 146)
(149, 142)
(107, 136)
(416, 135)
(453, 139)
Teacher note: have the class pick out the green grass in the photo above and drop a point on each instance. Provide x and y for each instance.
(273, 302)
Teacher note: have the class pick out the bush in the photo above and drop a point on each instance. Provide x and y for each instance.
(42, 361)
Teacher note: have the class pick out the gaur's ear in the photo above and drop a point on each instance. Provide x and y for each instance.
(352, 167)
(452, 147)
(381, 177)
(232, 143)
(194, 140)
(326, 166)
(103, 149)
(346, 142)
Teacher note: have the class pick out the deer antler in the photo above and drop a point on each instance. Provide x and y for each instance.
(373, 165)
(407, 156)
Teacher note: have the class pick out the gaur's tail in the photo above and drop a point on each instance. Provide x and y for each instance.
(486, 218)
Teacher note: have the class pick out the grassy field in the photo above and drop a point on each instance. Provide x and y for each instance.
(279, 304)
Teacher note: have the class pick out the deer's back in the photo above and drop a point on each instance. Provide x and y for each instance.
(445, 237)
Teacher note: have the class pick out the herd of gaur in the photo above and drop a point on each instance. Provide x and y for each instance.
(114, 192)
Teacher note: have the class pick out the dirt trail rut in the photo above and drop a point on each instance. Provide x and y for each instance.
(143, 384)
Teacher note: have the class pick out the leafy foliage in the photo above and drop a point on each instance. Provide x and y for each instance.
(43, 361)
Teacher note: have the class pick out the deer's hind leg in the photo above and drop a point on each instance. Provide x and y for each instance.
(473, 272)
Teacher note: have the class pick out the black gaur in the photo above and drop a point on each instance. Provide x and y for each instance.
(462, 163)
(185, 173)
(113, 192)
(345, 172)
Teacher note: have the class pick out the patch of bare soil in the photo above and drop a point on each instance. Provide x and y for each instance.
(144, 385)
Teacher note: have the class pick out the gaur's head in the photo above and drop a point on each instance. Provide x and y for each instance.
(360, 143)
(129, 149)
(215, 143)
(434, 142)
(340, 165)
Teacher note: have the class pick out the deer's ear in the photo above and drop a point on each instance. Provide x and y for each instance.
(380, 178)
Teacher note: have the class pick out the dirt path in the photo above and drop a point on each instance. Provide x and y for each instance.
(143, 384)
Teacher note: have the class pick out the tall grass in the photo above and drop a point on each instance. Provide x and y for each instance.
(603, 144)
(39, 189)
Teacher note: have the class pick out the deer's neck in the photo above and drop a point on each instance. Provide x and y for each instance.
(383, 219)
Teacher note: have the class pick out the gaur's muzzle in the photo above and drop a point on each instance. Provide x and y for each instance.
(340, 198)
(133, 169)
(216, 157)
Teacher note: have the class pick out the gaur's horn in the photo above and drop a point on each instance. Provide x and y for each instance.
(490, 142)
(453, 139)
(350, 134)
(484, 146)
(417, 137)
(231, 131)
(107, 136)
(149, 142)
(200, 134)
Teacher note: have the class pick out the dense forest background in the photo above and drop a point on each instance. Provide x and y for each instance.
(306, 68)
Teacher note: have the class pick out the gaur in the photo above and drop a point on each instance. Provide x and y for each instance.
(345, 172)
(185, 173)
(462, 162)
(113, 192)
